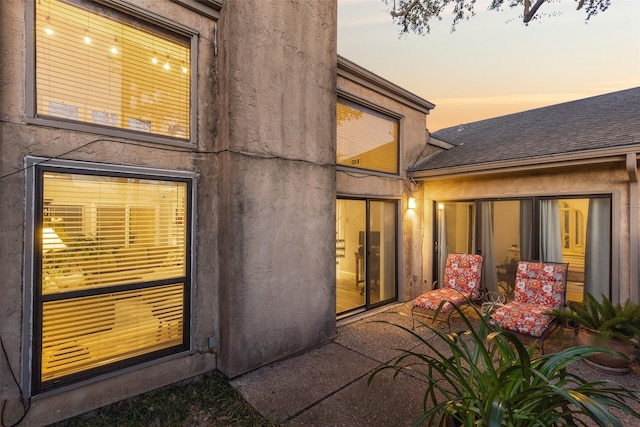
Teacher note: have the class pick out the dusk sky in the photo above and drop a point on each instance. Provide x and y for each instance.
(493, 64)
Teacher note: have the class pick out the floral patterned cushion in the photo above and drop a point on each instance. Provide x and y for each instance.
(432, 299)
(539, 288)
(462, 273)
(522, 317)
(461, 282)
(541, 284)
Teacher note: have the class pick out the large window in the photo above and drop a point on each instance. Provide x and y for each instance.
(573, 230)
(111, 272)
(98, 66)
(366, 138)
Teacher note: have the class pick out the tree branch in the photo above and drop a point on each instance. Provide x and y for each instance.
(529, 14)
(404, 13)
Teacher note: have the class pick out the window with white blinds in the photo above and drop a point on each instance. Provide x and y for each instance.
(366, 139)
(113, 277)
(98, 66)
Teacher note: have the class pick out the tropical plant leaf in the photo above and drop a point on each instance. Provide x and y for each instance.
(482, 375)
(621, 320)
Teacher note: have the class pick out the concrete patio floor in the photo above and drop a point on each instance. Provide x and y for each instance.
(328, 386)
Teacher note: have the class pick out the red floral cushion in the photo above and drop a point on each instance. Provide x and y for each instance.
(461, 282)
(462, 273)
(523, 318)
(432, 299)
(541, 284)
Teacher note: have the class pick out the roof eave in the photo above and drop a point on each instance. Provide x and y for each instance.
(352, 71)
(553, 161)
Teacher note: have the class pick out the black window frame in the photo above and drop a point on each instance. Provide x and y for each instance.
(37, 298)
(535, 217)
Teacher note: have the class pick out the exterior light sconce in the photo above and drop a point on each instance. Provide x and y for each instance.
(412, 203)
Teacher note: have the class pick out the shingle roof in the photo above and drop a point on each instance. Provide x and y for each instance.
(604, 121)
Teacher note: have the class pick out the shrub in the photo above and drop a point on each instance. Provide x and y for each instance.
(620, 321)
(489, 378)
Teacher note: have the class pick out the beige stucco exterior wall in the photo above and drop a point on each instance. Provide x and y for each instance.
(277, 179)
(602, 179)
(265, 199)
(352, 182)
(19, 139)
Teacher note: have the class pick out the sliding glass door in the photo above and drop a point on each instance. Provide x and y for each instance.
(366, 253)
(456, 232)
(500, 232)
(574, 230)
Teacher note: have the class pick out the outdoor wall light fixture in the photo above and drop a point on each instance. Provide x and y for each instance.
(412, 203)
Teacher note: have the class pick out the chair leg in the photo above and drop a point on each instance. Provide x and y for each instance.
(413, 319)
(551, 329)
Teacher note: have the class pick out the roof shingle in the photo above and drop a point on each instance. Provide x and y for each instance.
(604, 121)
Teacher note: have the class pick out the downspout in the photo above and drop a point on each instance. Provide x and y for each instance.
(634, 240)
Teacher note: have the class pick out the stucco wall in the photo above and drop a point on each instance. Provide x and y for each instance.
(277, 181)
(413, 137)
(266, 191)
(19, 139)
(593, 179)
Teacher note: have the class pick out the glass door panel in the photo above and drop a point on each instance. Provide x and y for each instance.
(574, 214)
(351, 222)
(366, 254)
(456, 223)
(584, 238)
(382, 251)
(576, 231)
(505, 247)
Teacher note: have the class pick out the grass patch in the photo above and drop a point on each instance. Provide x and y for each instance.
(208, 400)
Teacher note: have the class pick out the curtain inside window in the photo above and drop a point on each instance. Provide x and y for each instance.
(598, 252)
(550, 235)
(526, 229)
(443, 245)
(489, 274)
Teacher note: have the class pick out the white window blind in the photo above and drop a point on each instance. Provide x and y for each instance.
(125, 230)
(366, 139)
(113, 270)
(97, 66)
(89, 332)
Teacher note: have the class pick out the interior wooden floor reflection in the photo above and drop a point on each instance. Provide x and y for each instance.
(348, 295)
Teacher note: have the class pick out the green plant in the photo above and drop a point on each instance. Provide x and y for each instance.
(487, 377)
(620, 321)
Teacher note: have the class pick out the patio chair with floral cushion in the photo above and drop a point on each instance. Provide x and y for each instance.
(461, 285)
(539, 287)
